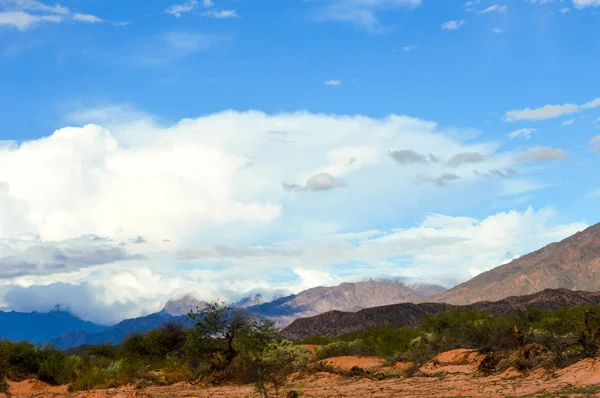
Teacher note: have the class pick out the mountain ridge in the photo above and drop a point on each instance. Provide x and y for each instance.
(573, 263)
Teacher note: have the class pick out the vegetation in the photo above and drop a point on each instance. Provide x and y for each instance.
(228, 345)
(549, 338)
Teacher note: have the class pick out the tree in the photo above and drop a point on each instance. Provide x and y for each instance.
(226, 331)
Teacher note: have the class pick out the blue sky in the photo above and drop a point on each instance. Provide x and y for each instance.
(279, 145)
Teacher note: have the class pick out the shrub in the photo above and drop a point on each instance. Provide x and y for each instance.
(56, 368)
(343, 348)
(276, 363)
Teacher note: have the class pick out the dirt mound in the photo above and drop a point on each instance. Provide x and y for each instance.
(34, 386)
(459, 361)
(348, 362)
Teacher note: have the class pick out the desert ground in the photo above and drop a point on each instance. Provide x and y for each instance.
(450, 374)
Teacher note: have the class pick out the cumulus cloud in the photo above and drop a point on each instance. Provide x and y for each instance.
(155, 188)
(453, 25)
(540, 154)
(522, 133)
(26, 14)
(549, 111)
(318, 182)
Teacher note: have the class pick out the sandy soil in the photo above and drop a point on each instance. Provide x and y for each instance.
(451, 374)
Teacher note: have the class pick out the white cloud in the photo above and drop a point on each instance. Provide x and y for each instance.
(179, 9)
(333, 83)
(23, 21)
(522, 133)
(493, 8)
(441, 248)
(410, 48)
(192, 186)
(586, 3)
(541, 153)
(87, 18)
(568, 122)
(26, 14)
(220, 14)
(498, 30)
(595, 143)
(360, 12)
(565, 10)
(453, 25)
(548, 111)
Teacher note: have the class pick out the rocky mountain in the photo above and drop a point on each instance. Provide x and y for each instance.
(39, 327)
(573, 263)
(408, 314)
(345, 297)
(183, 306)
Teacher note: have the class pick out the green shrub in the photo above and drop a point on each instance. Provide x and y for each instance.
(275, 363)
(56, 368)
(344, 348)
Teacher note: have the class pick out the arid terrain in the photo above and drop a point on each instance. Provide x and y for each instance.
(450, 374)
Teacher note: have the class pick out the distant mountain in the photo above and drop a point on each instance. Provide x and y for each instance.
(345, 297)
(408, 314)
(72, 332)
(573, 263)
(39, 327)
(114, 334)
(183, 306)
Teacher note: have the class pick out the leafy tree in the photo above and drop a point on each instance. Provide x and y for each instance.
(227, 330)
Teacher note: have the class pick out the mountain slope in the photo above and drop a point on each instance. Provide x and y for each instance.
(38, 327)
(345, 297)
(408, 314)
(573, 263)
(114, 334)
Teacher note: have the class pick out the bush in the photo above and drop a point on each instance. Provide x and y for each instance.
(276, 363)
(56, 368)
(343, 348)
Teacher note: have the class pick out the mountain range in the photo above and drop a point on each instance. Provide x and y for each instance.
(572, 264)
(66, 331)
(335, 323)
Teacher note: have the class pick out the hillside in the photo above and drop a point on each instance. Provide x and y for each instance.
(573, 263)
(408, 314)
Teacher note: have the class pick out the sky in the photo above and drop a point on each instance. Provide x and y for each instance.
(150, 149)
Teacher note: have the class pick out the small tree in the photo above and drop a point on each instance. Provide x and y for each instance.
(276, 363)
(226, 331)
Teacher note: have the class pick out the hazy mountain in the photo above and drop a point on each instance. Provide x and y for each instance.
(408, 314)
(69, 331)
(345, 297)
(573, 263)
(114, 334)
(183, 306)
(39, 327)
